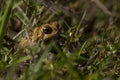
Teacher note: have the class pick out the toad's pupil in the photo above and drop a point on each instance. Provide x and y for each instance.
(47, 30)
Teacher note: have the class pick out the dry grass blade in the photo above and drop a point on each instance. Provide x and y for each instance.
(102, 7)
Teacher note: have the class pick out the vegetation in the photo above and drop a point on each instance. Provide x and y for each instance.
(86, 48)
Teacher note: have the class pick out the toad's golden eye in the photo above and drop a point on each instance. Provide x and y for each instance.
(47, 30)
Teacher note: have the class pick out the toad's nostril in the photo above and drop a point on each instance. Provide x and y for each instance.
(47, 30)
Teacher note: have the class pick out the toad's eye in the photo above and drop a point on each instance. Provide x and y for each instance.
(47, 30)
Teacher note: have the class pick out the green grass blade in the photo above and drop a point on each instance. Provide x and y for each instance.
(5, 20)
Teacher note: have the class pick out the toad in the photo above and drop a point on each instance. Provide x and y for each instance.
(43, 33)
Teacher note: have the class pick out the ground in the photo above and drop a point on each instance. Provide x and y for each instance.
(61, 40)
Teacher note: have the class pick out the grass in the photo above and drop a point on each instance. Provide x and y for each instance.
(5, 20)
(86, 49)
